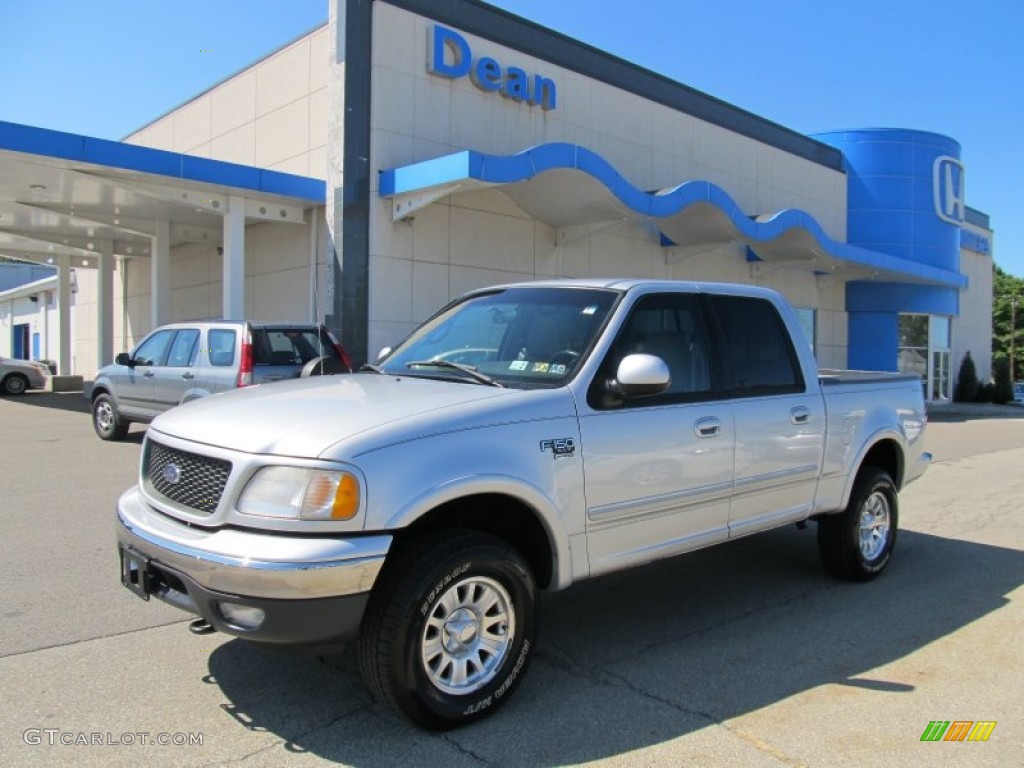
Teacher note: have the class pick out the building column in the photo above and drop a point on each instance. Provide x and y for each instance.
(234, 259)
(160, 275)
(105, 304)
(64, 314)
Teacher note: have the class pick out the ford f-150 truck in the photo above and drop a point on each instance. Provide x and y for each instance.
(524, 438)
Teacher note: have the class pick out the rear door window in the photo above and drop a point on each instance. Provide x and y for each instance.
(758, 351)
(184, 348)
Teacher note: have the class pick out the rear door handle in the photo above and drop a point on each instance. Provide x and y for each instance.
(148, 374)
(800, 415)
(188, 375)
(708, 427)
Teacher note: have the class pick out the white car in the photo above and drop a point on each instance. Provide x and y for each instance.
(18, 375)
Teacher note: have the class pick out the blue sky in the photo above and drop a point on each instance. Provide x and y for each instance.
(106, 67)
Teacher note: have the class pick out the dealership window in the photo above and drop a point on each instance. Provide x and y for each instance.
(808, 319)
(924, 349)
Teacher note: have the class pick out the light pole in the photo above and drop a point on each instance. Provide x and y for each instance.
(1013, 338)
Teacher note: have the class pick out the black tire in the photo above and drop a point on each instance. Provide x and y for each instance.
(857, 543)
(430, 590)
(15, 384)
(108, 423)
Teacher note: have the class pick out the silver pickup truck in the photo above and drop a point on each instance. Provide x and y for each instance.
(524, 438)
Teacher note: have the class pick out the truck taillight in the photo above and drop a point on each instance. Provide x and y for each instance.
(245, 367)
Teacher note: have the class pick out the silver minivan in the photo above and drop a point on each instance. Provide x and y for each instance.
(184, 361)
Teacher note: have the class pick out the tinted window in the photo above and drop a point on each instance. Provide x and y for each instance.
(183, 350)
(757, 347)
(154, 349)
(222, 346)
(671, 327)
(289, 346)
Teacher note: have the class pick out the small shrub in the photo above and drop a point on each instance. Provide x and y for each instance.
(967, 384)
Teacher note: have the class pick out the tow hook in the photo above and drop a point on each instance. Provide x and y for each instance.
(201, 627)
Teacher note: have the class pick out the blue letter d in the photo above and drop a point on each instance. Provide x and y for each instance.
(445, 41)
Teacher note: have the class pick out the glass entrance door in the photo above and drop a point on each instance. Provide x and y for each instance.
(924, 349)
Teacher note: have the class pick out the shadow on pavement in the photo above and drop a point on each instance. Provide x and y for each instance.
(64, 401)
(640, 658)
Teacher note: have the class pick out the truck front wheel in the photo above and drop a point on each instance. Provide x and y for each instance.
(450, 628)
(857, 543)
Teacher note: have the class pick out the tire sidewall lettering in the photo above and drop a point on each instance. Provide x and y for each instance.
(441, 586)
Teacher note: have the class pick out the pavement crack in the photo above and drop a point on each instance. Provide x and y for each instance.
(92, 639)
(463, 750)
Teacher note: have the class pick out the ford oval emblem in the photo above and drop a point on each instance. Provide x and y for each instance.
(172, 474)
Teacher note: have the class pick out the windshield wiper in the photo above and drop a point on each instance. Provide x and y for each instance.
(371, 367)
(467, 369)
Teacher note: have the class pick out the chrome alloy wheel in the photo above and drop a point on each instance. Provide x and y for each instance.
(874, 525)
(105, 416)
(467, 635)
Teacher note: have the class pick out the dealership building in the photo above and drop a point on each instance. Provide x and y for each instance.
(411, 150)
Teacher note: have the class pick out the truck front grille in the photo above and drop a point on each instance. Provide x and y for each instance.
(187, 479)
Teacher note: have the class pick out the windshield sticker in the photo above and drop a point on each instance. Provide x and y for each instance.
(519, 365)
(589, 310)
(558, 370)
(540, 367)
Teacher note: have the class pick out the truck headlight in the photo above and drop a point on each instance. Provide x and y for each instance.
(301, 494)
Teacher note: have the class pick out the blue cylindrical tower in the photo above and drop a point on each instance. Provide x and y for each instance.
(905, 197)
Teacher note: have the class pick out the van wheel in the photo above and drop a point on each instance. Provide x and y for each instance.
(857, 543)
(450, 628)
(105, 419)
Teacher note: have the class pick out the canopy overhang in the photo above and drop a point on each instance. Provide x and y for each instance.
(571, 188)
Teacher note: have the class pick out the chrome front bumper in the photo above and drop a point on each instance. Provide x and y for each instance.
(254, 564)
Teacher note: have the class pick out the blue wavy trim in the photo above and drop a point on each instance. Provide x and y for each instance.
(511, 169)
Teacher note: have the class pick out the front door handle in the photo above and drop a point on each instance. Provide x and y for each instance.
(188, 375)
(708, 427)
(148, 374)
(800, 415)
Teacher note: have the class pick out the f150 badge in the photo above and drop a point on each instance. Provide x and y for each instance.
(560, 447)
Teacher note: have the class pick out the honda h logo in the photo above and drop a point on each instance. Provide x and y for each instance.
(948, 189)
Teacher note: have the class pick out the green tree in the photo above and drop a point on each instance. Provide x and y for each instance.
(1002, 392)
(1007, 309)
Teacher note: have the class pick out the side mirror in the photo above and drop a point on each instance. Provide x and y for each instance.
(642, 375)
(123, 358)
(384, 352)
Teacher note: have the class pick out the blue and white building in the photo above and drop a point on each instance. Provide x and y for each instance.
(411, 150)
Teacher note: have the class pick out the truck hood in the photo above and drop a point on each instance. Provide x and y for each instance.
(339, 417)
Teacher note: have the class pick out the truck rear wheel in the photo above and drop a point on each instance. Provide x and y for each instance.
(857, 543)
(450, 628)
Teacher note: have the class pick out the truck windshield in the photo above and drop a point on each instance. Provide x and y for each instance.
(519, 337)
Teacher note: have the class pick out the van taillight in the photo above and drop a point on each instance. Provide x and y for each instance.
(245, 367)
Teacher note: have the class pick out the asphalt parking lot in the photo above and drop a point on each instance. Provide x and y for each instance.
(747, 654)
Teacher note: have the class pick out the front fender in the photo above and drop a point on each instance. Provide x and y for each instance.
(531, 496)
